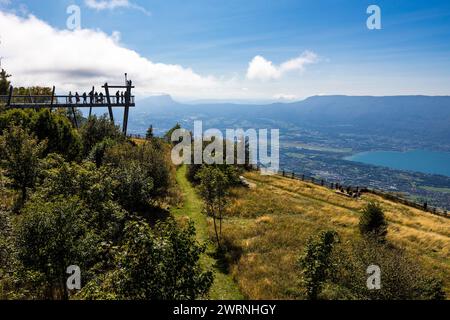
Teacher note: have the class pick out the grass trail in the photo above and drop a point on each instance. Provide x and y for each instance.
(223, 288)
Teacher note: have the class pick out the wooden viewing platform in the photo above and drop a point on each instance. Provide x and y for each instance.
(84, 100)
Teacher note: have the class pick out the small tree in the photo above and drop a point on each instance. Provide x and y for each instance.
(21, 153)
(49, 238)
(98, 129)
(4, 83)
(168, 135)
(149, 135)
(373, 223)
(316, 262)
(214, 190)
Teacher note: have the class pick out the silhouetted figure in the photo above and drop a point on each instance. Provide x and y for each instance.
(70, 97)
(96, 97)
(101, 97)
(117, 97)
(77, 97)
(84, 98)
(91, 96)
(121, 97)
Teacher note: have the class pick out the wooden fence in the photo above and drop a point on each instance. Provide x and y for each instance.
(353, 191)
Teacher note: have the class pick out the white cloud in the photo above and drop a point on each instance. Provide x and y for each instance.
(114, 4)
(262, 69)
(284, 96)
(35, 53)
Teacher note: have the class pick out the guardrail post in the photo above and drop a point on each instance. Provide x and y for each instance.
(53, 97)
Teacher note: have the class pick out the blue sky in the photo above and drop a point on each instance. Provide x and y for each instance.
(218, 40)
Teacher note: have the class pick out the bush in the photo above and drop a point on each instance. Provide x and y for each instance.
(316, 262)
(20, 154)
(49, 238)
(373, 223)
(97, 130)
(156, 264)
(98, 152)
(48, 126)
(401, 277)
(134, 189)
(154, 164)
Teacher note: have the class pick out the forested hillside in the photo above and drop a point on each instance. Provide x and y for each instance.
(94, 199)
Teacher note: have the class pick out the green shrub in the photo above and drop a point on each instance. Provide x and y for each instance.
(372, 222)
(316, 262)
(160, 263)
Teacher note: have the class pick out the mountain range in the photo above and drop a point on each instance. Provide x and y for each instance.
(421, 119)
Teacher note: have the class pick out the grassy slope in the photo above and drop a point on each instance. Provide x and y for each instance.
(269, 226)
(224, 288)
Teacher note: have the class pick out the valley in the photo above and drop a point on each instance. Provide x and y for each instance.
(317, 134)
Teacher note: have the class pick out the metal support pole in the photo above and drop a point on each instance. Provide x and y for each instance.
(74, 117)
(11, 89)
(53, 98)
(108, 99)
(127, 108)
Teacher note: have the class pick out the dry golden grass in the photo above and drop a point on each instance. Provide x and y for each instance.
(269, 226)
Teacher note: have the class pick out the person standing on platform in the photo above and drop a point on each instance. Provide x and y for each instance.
(91, 96)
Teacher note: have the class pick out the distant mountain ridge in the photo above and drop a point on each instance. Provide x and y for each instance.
(402, 117)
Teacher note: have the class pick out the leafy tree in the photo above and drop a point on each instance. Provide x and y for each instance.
(372, 222)
(213, 189)
(134, 188)
(4, 83)
(94, 187)
(49, 238)
(317, 261)
(45, 125)
(168, 135)
(154, 162)
(16, 117)
(20, 154)
(98, 129)
(58, 131)
(160, 263)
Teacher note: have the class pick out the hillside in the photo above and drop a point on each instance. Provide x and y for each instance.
(268, 227)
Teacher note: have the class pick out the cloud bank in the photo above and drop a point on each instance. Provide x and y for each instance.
(35, 53)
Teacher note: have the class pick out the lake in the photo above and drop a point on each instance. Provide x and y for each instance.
(417, 160)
